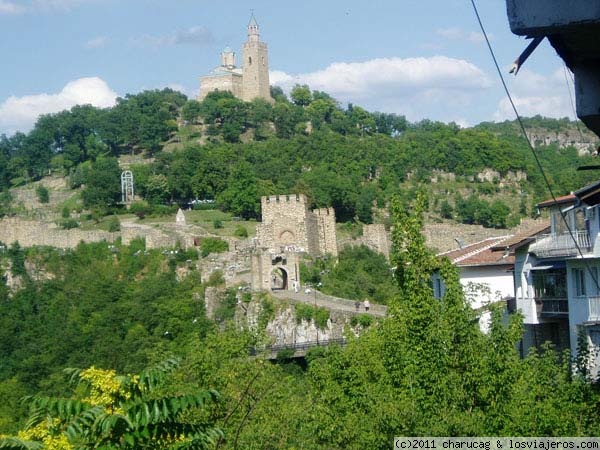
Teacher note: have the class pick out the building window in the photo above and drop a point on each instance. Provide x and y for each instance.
(249, 60)
(595, 280)
(579, 279)
(263, 60)
(438, 287)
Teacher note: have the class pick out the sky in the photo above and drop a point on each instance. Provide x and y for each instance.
(424, 59)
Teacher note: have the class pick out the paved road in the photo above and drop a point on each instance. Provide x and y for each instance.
(330, 302)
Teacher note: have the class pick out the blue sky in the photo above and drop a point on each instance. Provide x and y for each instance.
(423, 59)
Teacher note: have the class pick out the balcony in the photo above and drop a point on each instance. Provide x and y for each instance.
(593, 312)
(561, 244)
(553, 306)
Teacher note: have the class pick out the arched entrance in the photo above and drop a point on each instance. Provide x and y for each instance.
(279, 279)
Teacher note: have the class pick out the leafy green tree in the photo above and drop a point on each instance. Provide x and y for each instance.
(278, 94)
(126, 412)
(301, 95)
(102, 184)
(157, 189)
(191, 110)
(242, 196)
(319, 112)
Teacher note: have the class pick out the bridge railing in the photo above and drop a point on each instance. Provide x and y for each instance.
(298, 346)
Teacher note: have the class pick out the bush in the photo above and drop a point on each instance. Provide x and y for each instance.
(67, 224)
(140, 209)
(217, 224)
(303, 312)
(164, 210)
(364, 320)
(308, 313)
(240, 231)
(321, 318)
(286, 353)
(114, 224)
(267, 312)
(65, 212)
(42, 194)
(191, 254)
(216, 279)
(226, 307)
(213, 245)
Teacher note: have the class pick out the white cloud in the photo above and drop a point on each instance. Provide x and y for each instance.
(534, 93)
(97, 42)
(438, 88)
(455, 33)
(450, 33)
(20, 113)
(193, 35)
(32, 6)
(7, 7)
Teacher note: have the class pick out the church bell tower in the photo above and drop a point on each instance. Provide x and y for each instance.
(255, 65)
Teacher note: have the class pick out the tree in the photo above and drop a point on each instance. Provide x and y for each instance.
(301, 95)
(241, 196)
(102, 184)
(191, 110)
(120, 412)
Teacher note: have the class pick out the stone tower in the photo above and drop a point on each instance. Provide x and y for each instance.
(255, 74)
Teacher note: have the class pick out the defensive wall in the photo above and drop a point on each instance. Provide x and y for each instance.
(287, 221)
(375, 237)
(29, 233)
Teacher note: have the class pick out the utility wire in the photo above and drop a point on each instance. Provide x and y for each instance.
(565, 70)
(522, 126)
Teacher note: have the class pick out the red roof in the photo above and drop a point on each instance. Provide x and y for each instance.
(570, 198)
(481, 253)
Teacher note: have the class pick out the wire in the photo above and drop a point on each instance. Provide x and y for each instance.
(565, 70)
(522, 126)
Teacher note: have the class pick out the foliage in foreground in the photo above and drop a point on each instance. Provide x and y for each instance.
(119, 412)
(426, 369)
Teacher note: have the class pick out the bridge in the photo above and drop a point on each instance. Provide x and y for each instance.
(316, 298)
(296, 350)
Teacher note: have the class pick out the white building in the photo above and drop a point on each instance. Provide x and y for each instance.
(486, 274)
(557, 275)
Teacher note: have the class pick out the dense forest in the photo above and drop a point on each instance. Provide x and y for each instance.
(233, 152)
(157, 374)
(109, 346)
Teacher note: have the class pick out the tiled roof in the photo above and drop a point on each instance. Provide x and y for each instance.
(522, 238)
(481, 253)
(570, 198)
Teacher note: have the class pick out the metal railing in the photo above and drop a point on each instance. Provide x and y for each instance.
(553, 306)
(561, 244)
(298, 346)
(594, 308)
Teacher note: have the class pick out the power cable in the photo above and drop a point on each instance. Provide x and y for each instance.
(565, 70)
(522, 126)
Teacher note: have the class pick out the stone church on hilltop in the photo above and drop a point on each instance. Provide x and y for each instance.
(247, 82)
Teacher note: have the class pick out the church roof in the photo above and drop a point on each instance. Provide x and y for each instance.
(225, 71)
(252, 22)
(227, 50)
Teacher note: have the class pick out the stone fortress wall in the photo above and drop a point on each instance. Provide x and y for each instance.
(288, 223)
(373, 236)
(32, 232)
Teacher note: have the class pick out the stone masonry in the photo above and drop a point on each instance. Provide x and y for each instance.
(288, 223)
(288, 230)
(248, 82)
(29, 233)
